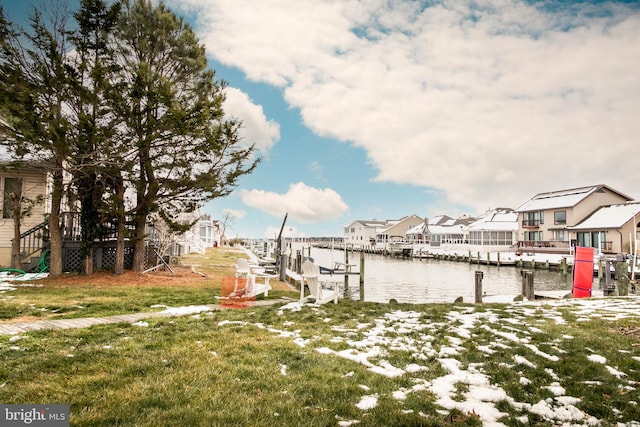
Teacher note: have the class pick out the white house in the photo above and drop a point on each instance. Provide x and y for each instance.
(362, 233)
(497, 228)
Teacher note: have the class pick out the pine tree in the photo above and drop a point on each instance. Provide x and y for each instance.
(95, 136)
(34, 84)
(185, 151)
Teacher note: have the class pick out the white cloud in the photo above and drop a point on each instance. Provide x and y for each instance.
(235, 213)
(489, 101)
(304, 204)
(256, 128)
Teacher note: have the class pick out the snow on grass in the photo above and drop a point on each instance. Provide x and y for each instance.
(190, 309)
(467, 388)
(368, 402)
(597, 359)
(141, 324)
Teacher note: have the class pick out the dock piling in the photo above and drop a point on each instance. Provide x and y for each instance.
(479, 275)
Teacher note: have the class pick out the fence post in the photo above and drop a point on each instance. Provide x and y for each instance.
(479, 276)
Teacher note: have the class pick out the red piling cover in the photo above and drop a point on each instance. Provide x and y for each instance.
(583, 272)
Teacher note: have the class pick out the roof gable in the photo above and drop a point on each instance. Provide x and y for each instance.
(564, 198)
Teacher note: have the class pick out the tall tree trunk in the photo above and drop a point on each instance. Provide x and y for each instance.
(139, 242)
(55, 236)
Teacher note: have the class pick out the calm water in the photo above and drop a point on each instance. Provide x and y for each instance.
(428, 280)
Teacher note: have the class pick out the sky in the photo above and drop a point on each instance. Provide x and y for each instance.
(383, 109)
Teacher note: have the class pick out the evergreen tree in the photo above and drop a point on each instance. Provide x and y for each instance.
(185, 152)
(91, 167)
(34, 85)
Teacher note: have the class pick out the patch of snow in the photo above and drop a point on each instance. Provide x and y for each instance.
(191, 309)
(141, 324)
(597, 359)
(368, 402)
(615, 372)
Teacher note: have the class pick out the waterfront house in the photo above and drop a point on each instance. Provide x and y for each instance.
(545, 219)
(444, 230)
(610, 229)
(418, 234)
(362, 233)
(495, 230)
(395, 231)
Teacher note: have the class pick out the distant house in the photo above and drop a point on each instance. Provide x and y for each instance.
(205, 233)
(362, 233)
(396, 230)
(497, 228)
(610, 229)
(545, 219)
(446, 230)
(29, 183)
(418, 234)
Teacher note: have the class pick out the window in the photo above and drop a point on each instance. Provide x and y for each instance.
(532, 219)
(533, 236)
(560, 217)
(12, 194)
(561, 235)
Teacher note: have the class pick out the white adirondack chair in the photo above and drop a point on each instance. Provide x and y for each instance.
(311, 277)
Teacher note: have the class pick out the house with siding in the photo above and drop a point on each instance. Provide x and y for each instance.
(362, 233)
(497, 229)
(31, 183)
(21, 182)
(444, 230)
(545, 220)
(396, 230)
(610, 229)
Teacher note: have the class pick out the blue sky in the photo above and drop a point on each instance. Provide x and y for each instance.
(386, 108)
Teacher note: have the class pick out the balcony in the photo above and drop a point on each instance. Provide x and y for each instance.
(531, 223)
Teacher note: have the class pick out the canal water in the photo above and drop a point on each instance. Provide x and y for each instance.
(429, 280)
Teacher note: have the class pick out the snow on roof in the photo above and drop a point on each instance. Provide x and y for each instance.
(496, 221)
(446, 229)
(418, 229)
(557, 199)
(614, 216)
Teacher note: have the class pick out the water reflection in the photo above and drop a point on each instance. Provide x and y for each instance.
(429, 280)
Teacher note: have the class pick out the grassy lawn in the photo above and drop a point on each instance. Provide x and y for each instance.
(364, 363)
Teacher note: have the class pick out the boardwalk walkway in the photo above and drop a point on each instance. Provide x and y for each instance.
(85, 322)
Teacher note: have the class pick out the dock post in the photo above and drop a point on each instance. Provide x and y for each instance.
(470, 257)
(607, 274)
(527, 285)
(563, 266)
(479, 276)
(361, 276)
(622, 272)
(346, 276)
(488, 258)
(498, 259)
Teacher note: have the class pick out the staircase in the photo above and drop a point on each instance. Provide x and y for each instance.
(33, 244)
